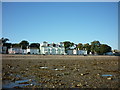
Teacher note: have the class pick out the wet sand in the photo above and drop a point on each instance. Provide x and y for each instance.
(59, 71)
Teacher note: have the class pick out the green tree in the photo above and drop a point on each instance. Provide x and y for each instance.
(104, 48)
(24, 44)
(80, 46)
(4, 40)
(67, 45)
(37, 45)
(95, 47)
(16, 45)
(87, 47)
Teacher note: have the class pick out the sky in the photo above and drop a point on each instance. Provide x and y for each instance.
(78, 22)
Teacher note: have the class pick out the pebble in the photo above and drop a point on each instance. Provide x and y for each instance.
(98, 74)
(31, 84)
(30, 79)
(79, 85)
(64, 66)
(27, 69)
(81, 74)
(109, 78)
(12, 68)
(59, 83)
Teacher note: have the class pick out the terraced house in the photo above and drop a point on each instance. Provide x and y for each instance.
(52, 49)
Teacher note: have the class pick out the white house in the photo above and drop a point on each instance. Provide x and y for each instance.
(69, 52)
(24, 51)
(52, 49)
(76, 52)
(15, 50)
(33, 50)
(81, 52)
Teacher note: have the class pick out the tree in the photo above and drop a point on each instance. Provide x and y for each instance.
(3, 43)
(4, 40)
(95, 46)
(80, 46)
(87, 47)
(16, 45)
(37, 45)
(8, 45)
(104, 48)
(24, 44)
(67, 45)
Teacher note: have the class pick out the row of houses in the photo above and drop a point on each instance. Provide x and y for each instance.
(44, 48)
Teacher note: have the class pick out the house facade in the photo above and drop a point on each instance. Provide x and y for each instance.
(19, 50)
(76, 52)
(52, 49)
(15, 50)
(33, 50)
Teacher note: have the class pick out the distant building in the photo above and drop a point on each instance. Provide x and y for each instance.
(70, 52)
(4, 49)
(24, 51)
(15, 49)
(33, 50)
(52, 49)
(82, 52)
(76, 52)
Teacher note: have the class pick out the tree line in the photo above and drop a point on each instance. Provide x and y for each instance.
(95, 47)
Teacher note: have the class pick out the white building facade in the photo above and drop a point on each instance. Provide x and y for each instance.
(15, 50)
(52, 49)
(76, 52)
(33, 51)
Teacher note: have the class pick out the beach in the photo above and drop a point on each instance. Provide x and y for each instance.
(59, 71)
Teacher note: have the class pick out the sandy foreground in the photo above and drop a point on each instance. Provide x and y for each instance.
(59, 71)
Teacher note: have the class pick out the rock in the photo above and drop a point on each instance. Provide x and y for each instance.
(81, 74)
(84, 73)
(109, 78)
(64, 66)
(31, 84)
(12, 68)
(79, 85)
(27, 69)
(59, 83)
(98, 74)
(30, 79)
